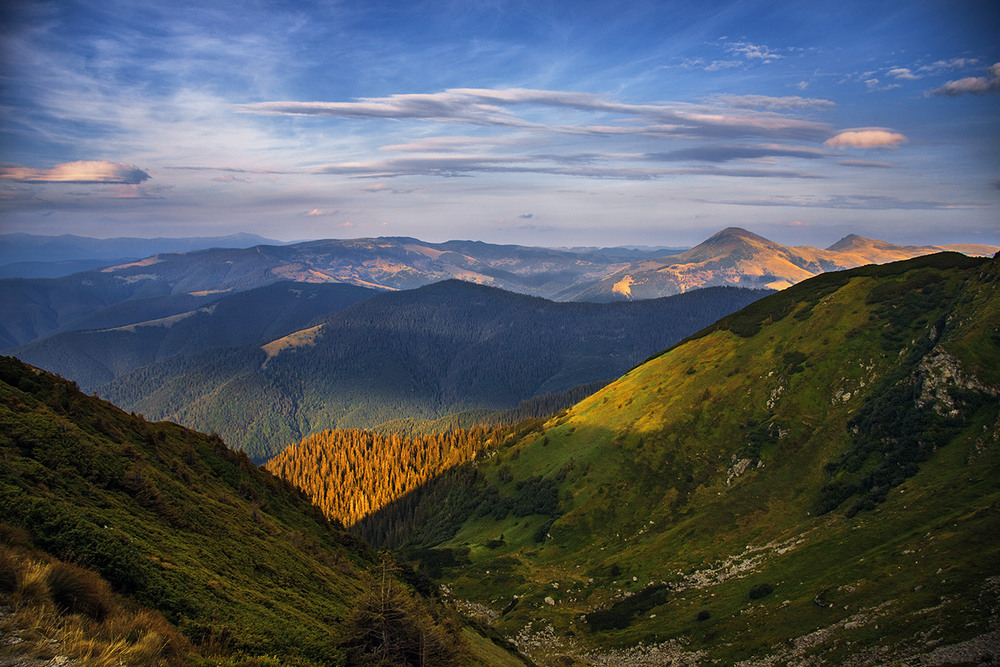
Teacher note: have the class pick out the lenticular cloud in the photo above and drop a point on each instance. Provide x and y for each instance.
(867, 138)
(89, 171)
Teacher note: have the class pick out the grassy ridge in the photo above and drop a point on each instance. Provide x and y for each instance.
(705, 474)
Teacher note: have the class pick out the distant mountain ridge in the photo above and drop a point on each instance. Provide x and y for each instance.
(735, 256)
(37, 308)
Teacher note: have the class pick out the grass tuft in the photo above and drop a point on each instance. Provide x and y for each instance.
(76, 590)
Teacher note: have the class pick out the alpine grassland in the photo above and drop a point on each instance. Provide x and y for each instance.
(813, 478)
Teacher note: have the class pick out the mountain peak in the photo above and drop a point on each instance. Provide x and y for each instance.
(852, 241)
(733, 232)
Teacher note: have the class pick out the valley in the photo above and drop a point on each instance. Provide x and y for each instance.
(723, 476)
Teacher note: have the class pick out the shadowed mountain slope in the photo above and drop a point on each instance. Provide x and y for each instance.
(95, 357)
(417, 354)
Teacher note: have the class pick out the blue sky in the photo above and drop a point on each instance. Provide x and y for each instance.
(539, 123)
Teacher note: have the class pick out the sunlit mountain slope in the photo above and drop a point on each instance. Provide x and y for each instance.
(813, 478)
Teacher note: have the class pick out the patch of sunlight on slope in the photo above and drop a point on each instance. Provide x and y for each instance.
(624, 287)
(165, 322)
(301, 338)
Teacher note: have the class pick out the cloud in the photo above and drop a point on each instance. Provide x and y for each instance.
(488, 107)
(726, 153)
(902, 73)
(320, 211)
(753, 52)
(874, 84)
(866, 138)
(382, 187)
(451, 166)
(775, 103)
(857, 202)
(953, 63)
(526, 216)
(444, 144)
(85, 172)
(972, 85)
(866, 164)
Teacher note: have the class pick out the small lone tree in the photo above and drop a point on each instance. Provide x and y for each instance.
(390, 626)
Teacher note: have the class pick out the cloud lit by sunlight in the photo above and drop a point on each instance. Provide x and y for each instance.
(92, 171)
(866, 138)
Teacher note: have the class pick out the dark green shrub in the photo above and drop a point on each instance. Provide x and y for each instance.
(703, 615)
(8, 573)
(620, 614)
(759, 591)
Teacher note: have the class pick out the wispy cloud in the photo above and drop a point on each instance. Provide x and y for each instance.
(788, 103)
(972, 85)
(487, 107)
(866, 138)
(857, 202)
(866, 164)
(902, 73)
(382, 187)
(84, 172)
(611, 167)
(727, 153)
(753, 52)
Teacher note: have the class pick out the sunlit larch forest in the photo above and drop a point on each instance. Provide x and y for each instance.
(351, 473)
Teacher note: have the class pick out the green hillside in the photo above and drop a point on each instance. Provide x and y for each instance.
(234, 558)
(814, 478)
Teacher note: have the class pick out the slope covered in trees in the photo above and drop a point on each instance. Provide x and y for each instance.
(811, 480)
(231, 557)
(114, 344)
(420, 354)
(351, 473)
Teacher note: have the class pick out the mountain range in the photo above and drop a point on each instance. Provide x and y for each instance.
(34, 256)
(168, 284)
(266, 367)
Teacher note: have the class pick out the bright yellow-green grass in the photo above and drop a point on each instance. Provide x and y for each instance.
(702, 475)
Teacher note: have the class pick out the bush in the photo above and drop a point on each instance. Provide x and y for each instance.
(759, 591)
(75, 590)
(8, 573)
(621, 613)
(703, 615)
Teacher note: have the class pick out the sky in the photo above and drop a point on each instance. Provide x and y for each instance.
(533, 122)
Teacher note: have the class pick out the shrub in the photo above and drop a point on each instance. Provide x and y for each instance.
(8, 573)
(78, 591)
(621, 613)
(760, 590)
(703, 615)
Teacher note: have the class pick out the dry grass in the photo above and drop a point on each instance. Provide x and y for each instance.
(55, 608)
